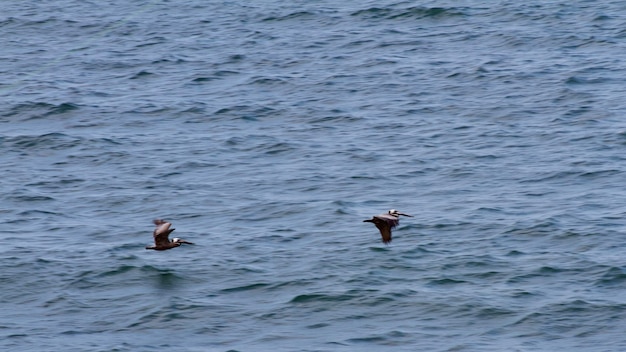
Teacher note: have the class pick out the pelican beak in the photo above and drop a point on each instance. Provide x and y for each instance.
(183, 241)
(405, 215)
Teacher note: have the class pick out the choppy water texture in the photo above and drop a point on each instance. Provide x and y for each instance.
(267, 131)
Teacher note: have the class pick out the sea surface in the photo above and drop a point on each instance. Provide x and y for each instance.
(267, 131)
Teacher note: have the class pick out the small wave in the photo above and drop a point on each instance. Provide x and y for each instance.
(278, 148)
(600, 173)
(612, 276)
(544, 272)
(574, 315)
(202, 79)
(247, 112)
(28, 196)
(408, 13)
(299, 15)
(117, 271)
(142, 74)
(261, 144)
(34, 212)
(267, 81)
(63, 182)
(542, 228)
(335, 119)
(568, 175)
(37, 110)
(245, 288)
(574, 80)
(26, 21)
(53, 141)
(154, 269)
(446, 281)
(320, 297)
(367, 340)
(9, 21)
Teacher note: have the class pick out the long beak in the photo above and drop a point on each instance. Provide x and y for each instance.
(405, 215)
(183, 241)
(368, 220)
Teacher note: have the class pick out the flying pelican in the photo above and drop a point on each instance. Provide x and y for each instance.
(161, 240)
(386, 222)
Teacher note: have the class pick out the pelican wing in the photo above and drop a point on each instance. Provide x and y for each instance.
(161, 232)
(385, 231)
(385, 223)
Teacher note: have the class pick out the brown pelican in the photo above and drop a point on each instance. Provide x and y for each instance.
(386, 222)
(161, 240)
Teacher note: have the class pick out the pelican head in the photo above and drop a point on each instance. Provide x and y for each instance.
(179, 241)
(396, 213)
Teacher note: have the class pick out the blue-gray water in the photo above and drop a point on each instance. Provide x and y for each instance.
(267, 131)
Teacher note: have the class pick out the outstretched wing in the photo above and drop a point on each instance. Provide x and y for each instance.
(385, 232)
(161, 232)
(385, 223)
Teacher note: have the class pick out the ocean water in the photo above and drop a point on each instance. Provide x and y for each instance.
(266, 132)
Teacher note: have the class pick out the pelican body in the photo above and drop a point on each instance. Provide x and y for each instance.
(386, 222)
(161, 237)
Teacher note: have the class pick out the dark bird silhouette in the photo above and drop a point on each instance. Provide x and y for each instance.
(386, 222)
(161, 237)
